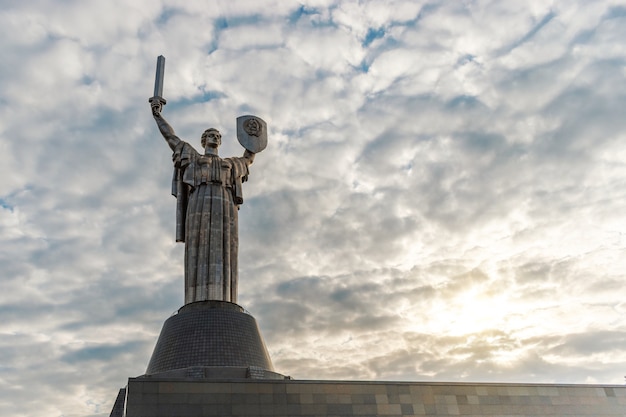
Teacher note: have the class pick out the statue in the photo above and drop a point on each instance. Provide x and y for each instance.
(208, 190)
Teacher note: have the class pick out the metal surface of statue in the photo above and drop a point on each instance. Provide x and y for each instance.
(208, 190)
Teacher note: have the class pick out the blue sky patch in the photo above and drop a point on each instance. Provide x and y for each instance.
(5, 205)
(373, 34)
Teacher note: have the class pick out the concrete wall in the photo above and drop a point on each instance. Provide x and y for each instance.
(155, 397)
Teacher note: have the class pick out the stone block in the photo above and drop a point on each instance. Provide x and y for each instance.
(319, 399)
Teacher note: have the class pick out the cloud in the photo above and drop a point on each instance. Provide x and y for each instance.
(440, 199)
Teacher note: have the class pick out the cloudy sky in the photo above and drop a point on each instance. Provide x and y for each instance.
(443, 196)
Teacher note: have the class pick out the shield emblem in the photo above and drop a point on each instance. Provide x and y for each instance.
(252, 133)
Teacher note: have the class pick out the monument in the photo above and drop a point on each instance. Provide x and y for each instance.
(210, 358)
(211, 335)
(208, 191)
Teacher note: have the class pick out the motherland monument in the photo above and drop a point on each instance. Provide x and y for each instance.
(208, 190)
(210, 335)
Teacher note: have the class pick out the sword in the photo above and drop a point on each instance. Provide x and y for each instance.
(158, 81)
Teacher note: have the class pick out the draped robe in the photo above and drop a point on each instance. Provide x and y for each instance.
(208, 192)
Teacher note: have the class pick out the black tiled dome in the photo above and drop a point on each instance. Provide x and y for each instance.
(207, 334)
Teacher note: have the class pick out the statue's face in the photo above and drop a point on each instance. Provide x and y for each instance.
(212, 138)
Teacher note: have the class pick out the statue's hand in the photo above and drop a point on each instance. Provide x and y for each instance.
(249, 156)
(156, 105)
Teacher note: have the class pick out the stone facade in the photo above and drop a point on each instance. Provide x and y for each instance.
(160, 397)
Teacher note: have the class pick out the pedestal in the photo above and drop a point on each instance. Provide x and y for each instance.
(211, 339)
(158, 397)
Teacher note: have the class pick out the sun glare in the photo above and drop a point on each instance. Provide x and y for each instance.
(470, 312)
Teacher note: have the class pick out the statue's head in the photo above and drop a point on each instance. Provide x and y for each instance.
(211, 137)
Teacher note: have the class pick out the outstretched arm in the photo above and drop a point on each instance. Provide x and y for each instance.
(249, 157)
(164, 127)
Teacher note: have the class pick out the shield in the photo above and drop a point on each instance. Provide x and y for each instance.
(252, 133)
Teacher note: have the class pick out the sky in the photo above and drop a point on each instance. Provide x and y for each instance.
(442, 197)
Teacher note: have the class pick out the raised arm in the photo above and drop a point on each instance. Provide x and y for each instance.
(249, 156)
(164, 127)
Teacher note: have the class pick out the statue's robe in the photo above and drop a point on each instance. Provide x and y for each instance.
(208, 192)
